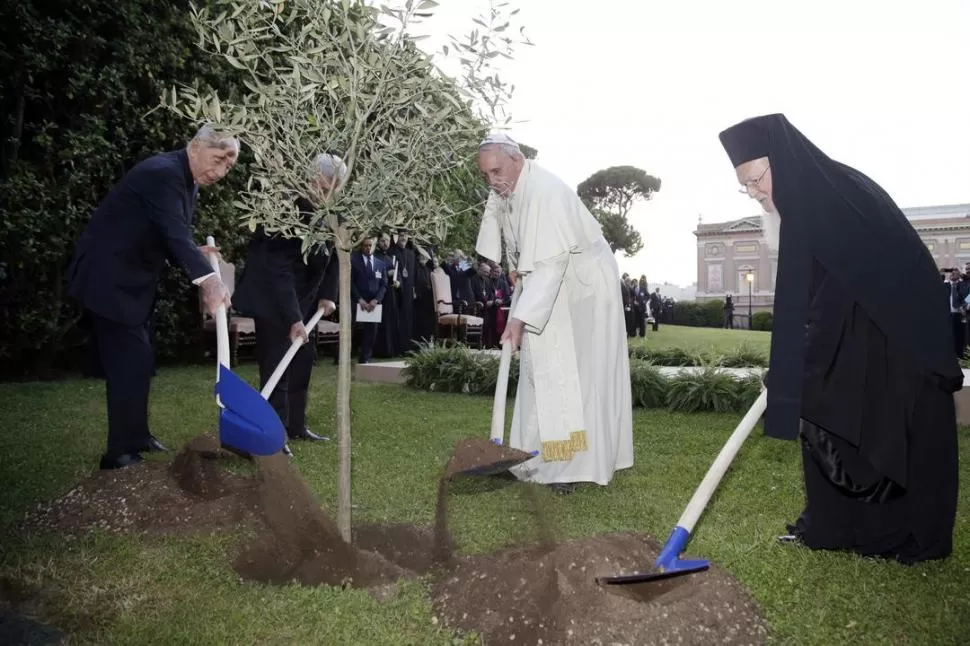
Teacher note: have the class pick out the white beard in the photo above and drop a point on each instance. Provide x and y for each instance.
(771, 225)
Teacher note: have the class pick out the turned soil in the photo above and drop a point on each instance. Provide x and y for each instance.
(545, 593)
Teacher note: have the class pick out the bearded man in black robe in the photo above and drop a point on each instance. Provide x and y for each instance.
(864, 380)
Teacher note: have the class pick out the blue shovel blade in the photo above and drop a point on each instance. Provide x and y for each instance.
(667, 566)
(248, 422)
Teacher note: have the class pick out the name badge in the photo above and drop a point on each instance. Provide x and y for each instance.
(377, 274)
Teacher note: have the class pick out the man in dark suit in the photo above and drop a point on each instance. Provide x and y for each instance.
(280, 292)
(118, 261)
(368, 285)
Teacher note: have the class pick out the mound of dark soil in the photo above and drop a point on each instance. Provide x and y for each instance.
(194, 495)
(543, 596)
(538, 594)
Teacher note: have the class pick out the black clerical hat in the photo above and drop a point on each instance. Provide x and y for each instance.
(746, 141)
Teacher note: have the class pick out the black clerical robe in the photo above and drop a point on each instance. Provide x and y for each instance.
(878, 438)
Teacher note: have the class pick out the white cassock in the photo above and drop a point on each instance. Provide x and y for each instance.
(573, 403)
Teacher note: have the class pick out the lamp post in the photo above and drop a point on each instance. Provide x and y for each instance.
(750, 278)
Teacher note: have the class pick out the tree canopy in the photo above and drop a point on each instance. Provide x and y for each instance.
(610, 194)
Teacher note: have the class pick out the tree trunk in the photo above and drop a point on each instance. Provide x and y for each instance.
(343, 394)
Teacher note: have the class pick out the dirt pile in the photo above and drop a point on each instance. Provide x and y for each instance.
(301, 543)
(192, 496)
(535, 594)
(541, 596)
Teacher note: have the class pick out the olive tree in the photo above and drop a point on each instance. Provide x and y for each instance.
(347, 78)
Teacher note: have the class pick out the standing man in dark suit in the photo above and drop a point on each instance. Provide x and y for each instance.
(145, 219)
(368, 285)
(280, 291)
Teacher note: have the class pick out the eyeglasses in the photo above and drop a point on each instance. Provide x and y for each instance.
(752, 184)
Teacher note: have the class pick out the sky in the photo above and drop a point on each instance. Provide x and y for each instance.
(879, 85)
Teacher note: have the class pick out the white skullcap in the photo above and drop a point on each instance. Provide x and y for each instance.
(500, 139)
(330, 166)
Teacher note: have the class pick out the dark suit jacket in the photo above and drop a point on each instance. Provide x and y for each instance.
(961, 292)
(277, 285)
(371, 286)
(145, 219)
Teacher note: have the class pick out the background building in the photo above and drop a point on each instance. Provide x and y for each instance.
(729, 252)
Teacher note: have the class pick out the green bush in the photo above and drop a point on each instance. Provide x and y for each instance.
(761, 321)
(458, 369)
(455, 369)
(707, 390)
(743, 356)
(648, 386)
(702, 314)
(77, 82)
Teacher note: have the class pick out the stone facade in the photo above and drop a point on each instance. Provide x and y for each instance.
(728, 251)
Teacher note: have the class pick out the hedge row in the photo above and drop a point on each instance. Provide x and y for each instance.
(458, 369)
(711, 314)
(741, 357)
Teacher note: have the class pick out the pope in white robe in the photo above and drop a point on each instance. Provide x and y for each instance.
(573, 403)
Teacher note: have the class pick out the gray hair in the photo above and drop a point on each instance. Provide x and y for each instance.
(210, 137)
(330, 166)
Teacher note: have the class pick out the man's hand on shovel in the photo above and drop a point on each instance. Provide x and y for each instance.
(513, 333)
(214, 294)
(328, 307)
(299, 331)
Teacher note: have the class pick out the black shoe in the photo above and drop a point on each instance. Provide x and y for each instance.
(308, 435)
(154, 446)
(121, 461)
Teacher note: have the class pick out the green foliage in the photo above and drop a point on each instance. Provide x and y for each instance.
(699, 314)
(610, 194)
(455, 368)
(459, 369)
(77, 82)
(345, 78)
(648, 387)
(742, 356)
(618, 232)
(762, 321)
(617, 188)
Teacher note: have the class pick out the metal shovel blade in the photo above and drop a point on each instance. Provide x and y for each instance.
(247, 422)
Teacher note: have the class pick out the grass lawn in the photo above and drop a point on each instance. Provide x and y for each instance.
(109, 589)
(704, 339)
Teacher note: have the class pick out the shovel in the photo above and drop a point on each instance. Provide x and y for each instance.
(512, 456)
(668, 563)
(247, 421)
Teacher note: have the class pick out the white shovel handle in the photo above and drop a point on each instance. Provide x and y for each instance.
(502, 384)
(288, 357)
(706, 489)
(222, 324)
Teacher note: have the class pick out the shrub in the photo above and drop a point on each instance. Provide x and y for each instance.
(648, 386)
(761, 321)
(702, 314)
(743, 356)
(457, 368)
(706, 390)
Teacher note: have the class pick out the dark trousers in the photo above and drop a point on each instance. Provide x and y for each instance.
(959, 334)
(127, 360)
(368, 336)
(729, 319)
(289, 398)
